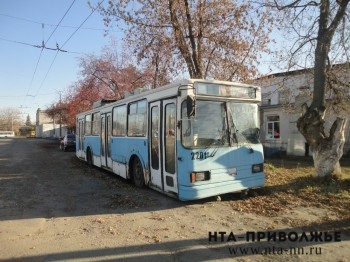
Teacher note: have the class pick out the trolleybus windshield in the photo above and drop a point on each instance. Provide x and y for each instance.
(220, 124)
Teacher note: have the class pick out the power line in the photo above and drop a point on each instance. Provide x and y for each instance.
(57, 48)
(46, 24)
(93, 11)
(36, 67)
(60, 21)
(16, 42)
(54, 59)
(19, 96)
(42, 83)
(20, 18)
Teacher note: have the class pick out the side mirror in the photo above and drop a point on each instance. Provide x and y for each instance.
(191, 106)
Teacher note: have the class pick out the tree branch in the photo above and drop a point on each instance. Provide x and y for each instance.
(294, 4)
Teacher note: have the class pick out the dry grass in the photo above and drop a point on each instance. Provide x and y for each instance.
(290, 183)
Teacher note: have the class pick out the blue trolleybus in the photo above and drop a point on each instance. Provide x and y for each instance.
(190, 139)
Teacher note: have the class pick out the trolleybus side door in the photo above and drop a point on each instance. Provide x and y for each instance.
(168, 127)
(80, 152)
(162, 149)
(106, 132)
(154, 149)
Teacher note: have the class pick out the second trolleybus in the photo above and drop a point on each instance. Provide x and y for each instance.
(190, 139)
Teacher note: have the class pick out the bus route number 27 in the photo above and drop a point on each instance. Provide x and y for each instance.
(199, 155)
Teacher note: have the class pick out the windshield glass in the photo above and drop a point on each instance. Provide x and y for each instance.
(207, 128)
(219, 124)
(243, 122)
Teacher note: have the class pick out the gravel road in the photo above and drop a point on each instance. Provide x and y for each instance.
(55, 208)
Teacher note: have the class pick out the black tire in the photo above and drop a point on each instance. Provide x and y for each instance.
(89, 158)
(137, 173)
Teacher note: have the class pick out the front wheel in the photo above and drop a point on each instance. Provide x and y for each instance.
(137, 173)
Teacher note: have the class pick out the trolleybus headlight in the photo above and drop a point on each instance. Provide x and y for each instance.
(199, 176)
(257, 168)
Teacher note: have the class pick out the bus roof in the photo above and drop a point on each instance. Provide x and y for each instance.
(139, 93)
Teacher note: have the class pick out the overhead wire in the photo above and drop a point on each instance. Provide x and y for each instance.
(60, 21)
(36, 68)
(54, 59)
(39, 46)
(52, 25)
(43, 45)
(19, 96)
(20, 18)
(93, 11)
(16, 42)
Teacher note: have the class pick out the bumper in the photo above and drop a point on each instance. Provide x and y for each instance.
(202, 191)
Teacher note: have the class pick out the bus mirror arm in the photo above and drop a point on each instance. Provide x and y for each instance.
(191, 106)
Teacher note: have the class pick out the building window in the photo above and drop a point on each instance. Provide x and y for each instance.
(283, 96)
(266, 99)
(273, 127)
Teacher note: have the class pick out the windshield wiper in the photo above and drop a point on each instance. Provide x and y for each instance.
(217, 142)
(233, 133)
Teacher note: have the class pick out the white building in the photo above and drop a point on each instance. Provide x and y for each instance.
(282, 97)
(48, 127)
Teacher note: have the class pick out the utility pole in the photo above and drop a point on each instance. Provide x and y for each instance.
(60, 114)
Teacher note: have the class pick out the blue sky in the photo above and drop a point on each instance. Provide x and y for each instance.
(32, 77)
(26, 80)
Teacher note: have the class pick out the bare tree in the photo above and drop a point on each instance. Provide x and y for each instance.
(10, 119)
(107, 76)
(322, 30)
(206, 39)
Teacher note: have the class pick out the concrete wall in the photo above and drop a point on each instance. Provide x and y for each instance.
(50, 131)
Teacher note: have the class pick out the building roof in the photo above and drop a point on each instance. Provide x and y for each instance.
(302, 71)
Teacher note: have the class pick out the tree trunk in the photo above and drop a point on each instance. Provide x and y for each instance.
(327, 150)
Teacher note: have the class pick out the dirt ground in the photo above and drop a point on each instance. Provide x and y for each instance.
(55, 208)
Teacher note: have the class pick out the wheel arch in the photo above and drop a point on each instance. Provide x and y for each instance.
(144, 168)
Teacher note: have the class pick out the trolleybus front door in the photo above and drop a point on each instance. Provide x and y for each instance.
(163, 145)
(169, 145)
(106, 132)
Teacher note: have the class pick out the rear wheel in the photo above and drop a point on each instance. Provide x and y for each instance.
(137, 173)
